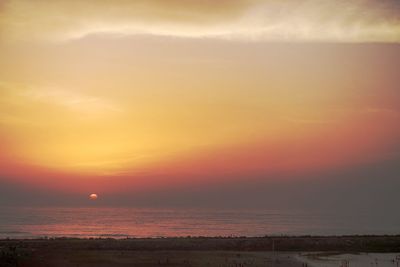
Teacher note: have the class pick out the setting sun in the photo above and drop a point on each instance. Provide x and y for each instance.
(228, 118)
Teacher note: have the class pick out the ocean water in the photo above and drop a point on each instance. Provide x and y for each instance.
(132, 222)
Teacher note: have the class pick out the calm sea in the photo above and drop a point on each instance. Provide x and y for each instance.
(130, 222)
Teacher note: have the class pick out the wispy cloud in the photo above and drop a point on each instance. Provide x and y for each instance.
(70, 99)
(286, 20)
(17, 94)
(380, 110)
(310, 121)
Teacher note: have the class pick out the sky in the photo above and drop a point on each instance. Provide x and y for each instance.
(253, 103)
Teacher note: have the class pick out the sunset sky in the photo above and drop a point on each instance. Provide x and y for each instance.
(196, 99)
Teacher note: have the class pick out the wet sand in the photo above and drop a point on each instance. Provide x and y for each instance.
(234, 252)
(334, 259)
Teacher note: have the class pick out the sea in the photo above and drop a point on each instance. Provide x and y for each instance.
(111, 222)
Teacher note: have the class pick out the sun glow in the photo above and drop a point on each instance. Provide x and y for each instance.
(149, 93)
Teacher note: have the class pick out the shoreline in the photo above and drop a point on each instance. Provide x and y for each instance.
(198, 251)
(346, 243)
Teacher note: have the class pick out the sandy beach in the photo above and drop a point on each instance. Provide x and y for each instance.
(267, 251)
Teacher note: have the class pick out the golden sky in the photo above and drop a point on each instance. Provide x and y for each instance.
(150, 92)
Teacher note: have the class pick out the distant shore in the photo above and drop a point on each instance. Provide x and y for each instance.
(117, 252)
(356, 243)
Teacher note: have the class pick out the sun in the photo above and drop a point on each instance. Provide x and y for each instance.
(93, 196)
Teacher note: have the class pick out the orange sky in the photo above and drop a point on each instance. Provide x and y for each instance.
(144, 95)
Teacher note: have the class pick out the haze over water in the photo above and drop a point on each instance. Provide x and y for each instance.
(132, 222)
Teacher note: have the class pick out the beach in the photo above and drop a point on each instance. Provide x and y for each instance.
(201, 251)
